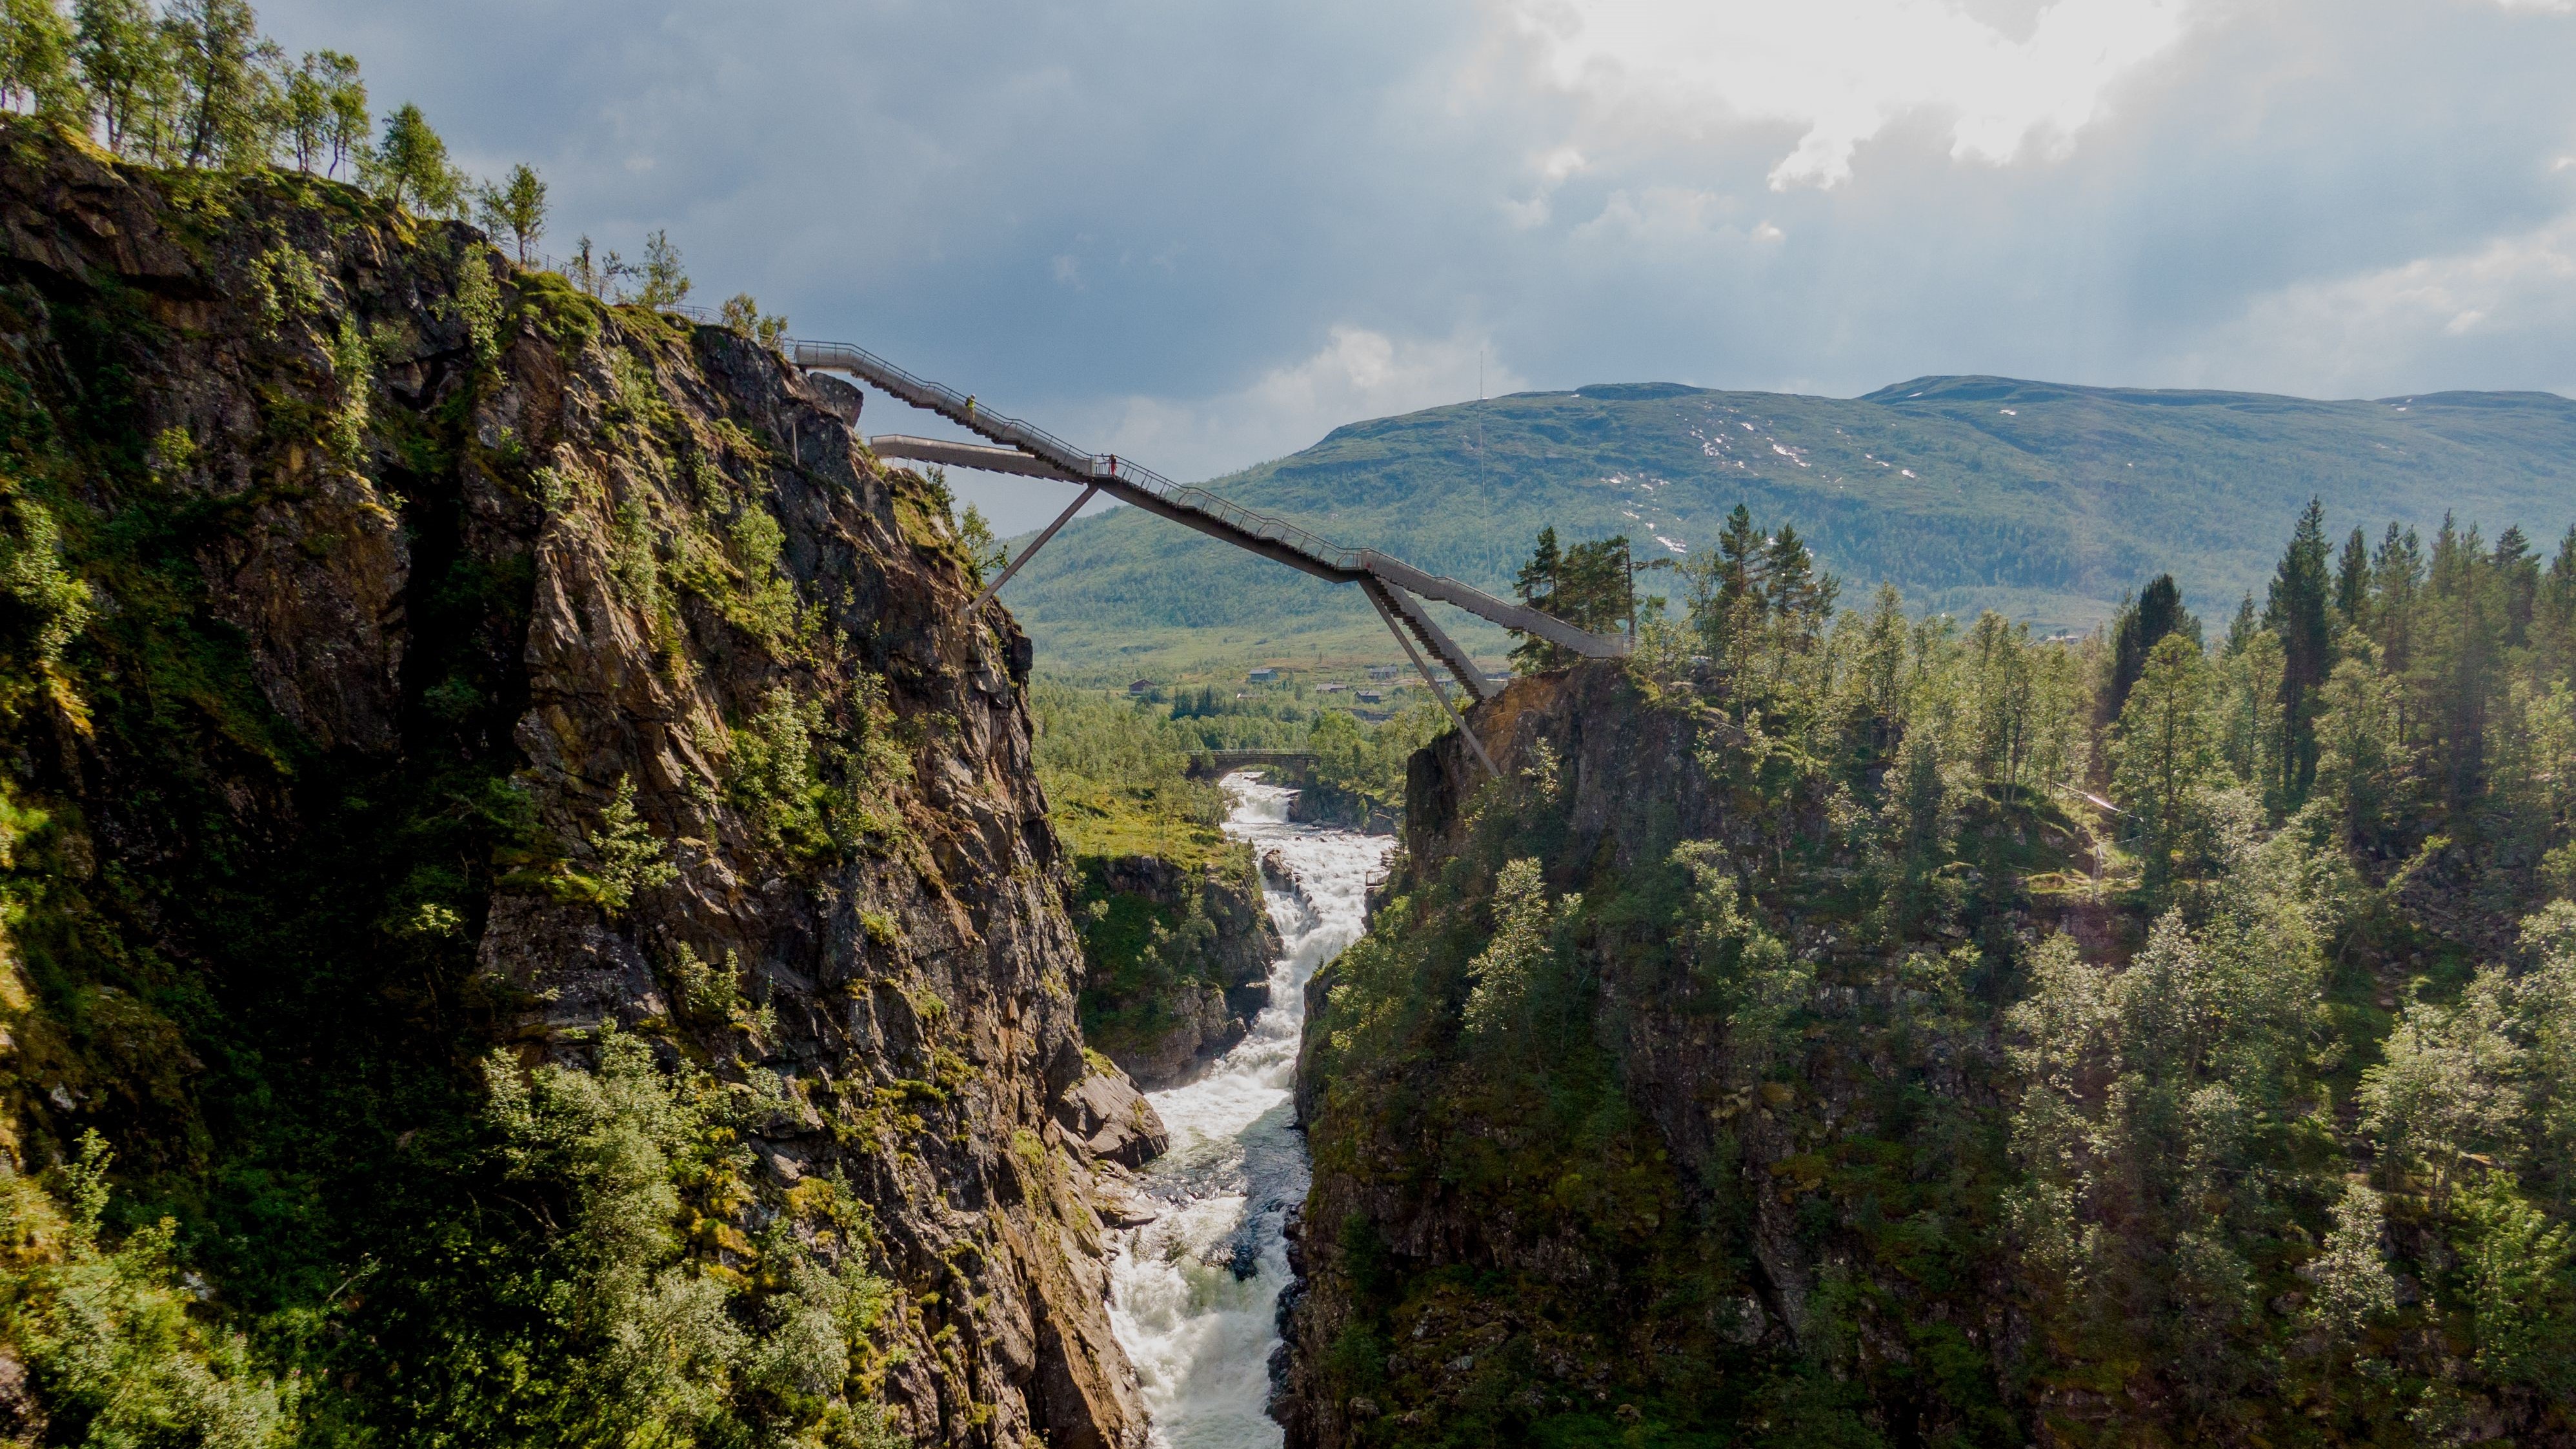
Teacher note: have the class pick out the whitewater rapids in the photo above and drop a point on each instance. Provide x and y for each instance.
(1194, 1294)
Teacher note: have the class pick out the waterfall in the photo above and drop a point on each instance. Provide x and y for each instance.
(1195, 1293)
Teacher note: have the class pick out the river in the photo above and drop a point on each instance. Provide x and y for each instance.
(1194, 1294)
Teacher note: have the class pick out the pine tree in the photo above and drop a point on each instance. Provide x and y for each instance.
(1797, 596)
(2163, 753)
(1740, 550)
(2352, 579)
(1536, 584)
(2553, 615)
(2138, 629)
(2301, 588)
(1728, 600)
(2456, 671)
(2517, 571)
(1592, 584)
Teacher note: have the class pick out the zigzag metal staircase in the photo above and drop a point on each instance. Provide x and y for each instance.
(1393, 586)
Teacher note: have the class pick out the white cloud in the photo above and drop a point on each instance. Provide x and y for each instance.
(2376, 331)
(1846, 69)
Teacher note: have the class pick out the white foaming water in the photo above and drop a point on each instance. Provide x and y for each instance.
(1194, 1295)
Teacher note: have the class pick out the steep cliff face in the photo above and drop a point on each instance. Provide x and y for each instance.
(1180, 955)
(407, 654)
(1483, 1252)
(1715, 1078)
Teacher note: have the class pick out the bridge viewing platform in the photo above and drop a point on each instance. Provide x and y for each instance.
(1397, 589)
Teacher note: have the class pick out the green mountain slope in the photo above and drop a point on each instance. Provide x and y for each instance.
(2041, 500)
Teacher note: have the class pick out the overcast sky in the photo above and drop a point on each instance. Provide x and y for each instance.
(1203, 235)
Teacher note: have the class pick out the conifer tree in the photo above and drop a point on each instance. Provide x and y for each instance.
(2554, 615)
(2301, 590)
(1728, 600)
(1535, 584)
(1740, 553)
(2352, 578)
(2139, 628)
(2456, 674)
(1797, 596)
(2517, 572)
(2164, 753)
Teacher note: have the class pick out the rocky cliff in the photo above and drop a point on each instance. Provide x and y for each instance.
(1727, 1073)
(407, 656)
(1180, 955)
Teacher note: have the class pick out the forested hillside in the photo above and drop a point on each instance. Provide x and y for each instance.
(2041, 501)
(1864, 1028)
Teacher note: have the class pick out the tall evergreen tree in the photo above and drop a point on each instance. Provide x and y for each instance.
(2164, 752)
(2517, 571)
(2457, 671)
(2352, 578)
(2554, 615)
(2140, 626)
(1740, 551)
(1535, 583)
(1798, 597)
(2301, 589)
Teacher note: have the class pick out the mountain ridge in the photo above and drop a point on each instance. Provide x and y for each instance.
(2043, 500)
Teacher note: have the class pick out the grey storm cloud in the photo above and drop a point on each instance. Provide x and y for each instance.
(1207, 234)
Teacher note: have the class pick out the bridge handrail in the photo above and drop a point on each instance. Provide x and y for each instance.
(1351, 563)
(1030, 438)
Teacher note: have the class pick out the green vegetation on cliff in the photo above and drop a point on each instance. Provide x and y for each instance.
(441, 719)
(1790, 1047)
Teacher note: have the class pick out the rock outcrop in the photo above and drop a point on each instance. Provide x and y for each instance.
(1622, 1243)
(1180, 961)
(469, 662)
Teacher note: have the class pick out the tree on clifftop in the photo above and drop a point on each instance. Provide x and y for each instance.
(227, 87)
(409, 167)
(517, 208)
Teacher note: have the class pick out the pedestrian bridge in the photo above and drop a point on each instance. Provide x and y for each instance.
(1397, 589)
(1213, 764)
